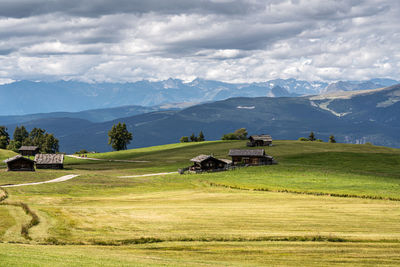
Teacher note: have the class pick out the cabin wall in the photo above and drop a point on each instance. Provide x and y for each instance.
(250, 160)
(28, 152)
(49, 166)
(20, 165)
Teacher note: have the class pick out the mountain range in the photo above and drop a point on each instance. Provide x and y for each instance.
(27, 97)
(351, 116)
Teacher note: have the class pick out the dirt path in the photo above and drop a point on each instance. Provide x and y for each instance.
(145, 175)
(57, 180)
(116, 160)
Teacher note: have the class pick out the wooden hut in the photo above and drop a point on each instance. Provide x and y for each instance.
(49, 161)
(260, 140)
(250, 157)
(28, 150)
(208, 163)
(19, 163)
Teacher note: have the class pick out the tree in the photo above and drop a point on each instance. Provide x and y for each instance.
(4, 137)
(37, 137)
(229, 136)
(20, 134)
(14, 145)
(50, 144)
(119, 137)
(311, 136)
(332, 139)
(201, 137)
(184, 139)
(303, 139)
(241, 133)
(193, 138)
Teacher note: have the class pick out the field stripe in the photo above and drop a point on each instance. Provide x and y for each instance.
(112, 160)
(57, 180)
(149, 174)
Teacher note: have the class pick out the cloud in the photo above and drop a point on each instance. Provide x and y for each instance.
(229, 40)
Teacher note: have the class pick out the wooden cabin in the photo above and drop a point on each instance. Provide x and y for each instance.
(19, 163)
(260, 140)
(251, 157)
(28, 150)
(49, 161)
(208, 163)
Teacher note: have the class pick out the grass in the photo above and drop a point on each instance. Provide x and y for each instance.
(205, 254)
(102, 219)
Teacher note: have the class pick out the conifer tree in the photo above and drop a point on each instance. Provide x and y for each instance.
(201, 137)
(311, 136)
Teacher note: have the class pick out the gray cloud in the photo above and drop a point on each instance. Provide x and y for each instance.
(95, 8)
(229, 40)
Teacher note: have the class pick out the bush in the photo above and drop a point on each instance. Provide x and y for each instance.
(184, 139)
(82, 151)
(303, 139)
(230, 136)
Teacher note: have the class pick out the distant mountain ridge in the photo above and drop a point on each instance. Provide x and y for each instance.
(26, 97)
(352, 117)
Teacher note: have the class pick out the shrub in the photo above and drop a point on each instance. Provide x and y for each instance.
(303, 139)
(184, 139)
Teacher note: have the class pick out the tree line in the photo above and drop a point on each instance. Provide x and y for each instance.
(193, 138)
(46, 142)
(312, 138)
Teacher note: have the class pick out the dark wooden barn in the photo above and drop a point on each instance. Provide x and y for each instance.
(28, 150)
(19, 163)
(250, 157)
(49, 161)
(208, 163)
(260, 140)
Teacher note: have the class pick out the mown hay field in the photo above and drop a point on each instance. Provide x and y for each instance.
(322, 204)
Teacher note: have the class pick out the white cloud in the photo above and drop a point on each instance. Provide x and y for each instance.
(229, 40)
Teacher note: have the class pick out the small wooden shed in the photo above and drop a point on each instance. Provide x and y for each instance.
(260, 140)
(208, 163)
(19, 163)
(49, 161)
(250, 157)
(28, 150)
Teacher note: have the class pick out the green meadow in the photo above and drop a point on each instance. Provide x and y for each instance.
(323, 204)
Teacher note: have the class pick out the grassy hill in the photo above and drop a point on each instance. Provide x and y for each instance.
(329, 204)
(5, 154)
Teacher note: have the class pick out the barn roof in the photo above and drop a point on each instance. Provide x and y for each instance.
(49, 158)
(28, 148)
(16, 158)
(201, 158)
(227, 161)
(247, 152)
(263, 137)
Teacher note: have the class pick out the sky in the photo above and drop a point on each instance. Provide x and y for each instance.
(226, 40)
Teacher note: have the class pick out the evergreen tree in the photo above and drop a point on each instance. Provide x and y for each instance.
(37, 137)
(201, 137)
(14, 145)
(311, 137)
(332, 139)
(4, 137)
(20, 134)
(193, 138)
(119, 137)
(50, 144)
